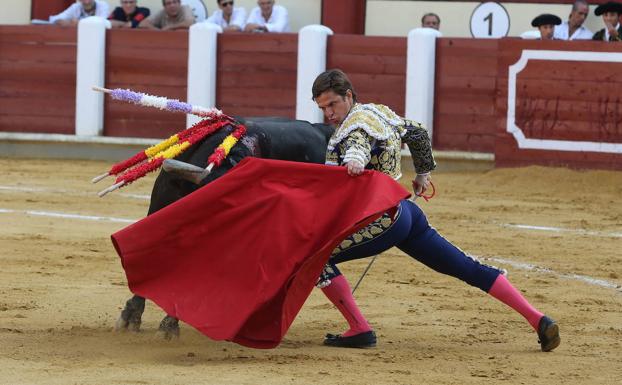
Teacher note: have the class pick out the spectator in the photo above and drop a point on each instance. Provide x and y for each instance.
(431, 20)
(267, 17)
(611, 17)
(128, 15)
(573, 29)
(80, 10)
(173, 16)
(546, 24)
(229, 18)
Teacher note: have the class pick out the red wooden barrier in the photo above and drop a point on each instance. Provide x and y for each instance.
(376, 66)
(257, 74)
(37, 79)
(562, 100)
(464, 98)
(154, 62)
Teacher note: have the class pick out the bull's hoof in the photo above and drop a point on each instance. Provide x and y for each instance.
(169, 328)
(131, 316)
(185, 170)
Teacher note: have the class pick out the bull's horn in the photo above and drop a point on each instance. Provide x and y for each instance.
(110, 189)
(99, 177)
(186, 171)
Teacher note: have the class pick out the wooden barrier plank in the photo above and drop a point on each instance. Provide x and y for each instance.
(162, 61)
(37, 124)
(265, 42)
(466, 85)
(260, 61)
(457, 105)
(571, 70)
(38, 71)
(565, 110)
(449, 47)
(484, 66)
(253, 111)
(366, 45)
(26, 88)
(257, 97)
(136, 80)
(378, 83)
(148, 128)
(38, 34)
(371, 64)
(250, 74)
(52, 106)
(277, 80)
(605, 130)
(466, 71)
(465, 142)
(146, 39)
(40, 52)
(466, 124)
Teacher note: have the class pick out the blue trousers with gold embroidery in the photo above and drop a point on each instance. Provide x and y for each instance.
(411, 233)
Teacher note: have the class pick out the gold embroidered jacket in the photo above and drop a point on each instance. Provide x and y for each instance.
(372, 134)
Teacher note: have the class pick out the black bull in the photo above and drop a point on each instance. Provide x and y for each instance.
(272, 138)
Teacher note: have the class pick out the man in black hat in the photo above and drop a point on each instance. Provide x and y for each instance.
(611, 17)
(546, 24)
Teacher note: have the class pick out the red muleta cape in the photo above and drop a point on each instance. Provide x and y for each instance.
(237, 258)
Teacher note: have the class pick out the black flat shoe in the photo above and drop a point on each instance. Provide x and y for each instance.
(548, 334)
(361, 340)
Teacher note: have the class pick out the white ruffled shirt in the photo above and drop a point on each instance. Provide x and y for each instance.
(561, 33)
(76, 11)
(238, 16)
(278, 21)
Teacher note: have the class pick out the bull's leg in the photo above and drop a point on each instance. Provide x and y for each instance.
(169, 328)
(130, 318)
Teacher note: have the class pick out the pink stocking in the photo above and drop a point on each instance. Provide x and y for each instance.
(339, 293)
(503, 290)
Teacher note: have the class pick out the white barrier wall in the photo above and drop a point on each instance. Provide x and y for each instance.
(420, 69)
(312, 42)
(90, 71)
(202, 50)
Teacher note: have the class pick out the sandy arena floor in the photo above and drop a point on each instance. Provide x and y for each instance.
(62, 287)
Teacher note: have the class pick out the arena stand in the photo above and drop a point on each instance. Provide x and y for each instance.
(555, 100)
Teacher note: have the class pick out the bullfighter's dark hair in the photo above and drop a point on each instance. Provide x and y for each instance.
(333, 80)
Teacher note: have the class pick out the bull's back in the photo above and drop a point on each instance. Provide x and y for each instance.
(278, 138)
(287, 139)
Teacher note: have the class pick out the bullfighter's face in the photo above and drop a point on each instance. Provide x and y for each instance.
(335, 107)
(546, 31)
(611, 18)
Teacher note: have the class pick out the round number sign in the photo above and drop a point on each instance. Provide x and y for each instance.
(490, 20)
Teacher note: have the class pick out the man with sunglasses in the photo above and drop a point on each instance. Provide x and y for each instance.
(173, 16)
(267, 17)
(230, 19)
(128, 15)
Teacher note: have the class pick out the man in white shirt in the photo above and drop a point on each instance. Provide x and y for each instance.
(573, 29)
(80, 10)
(267, 17)
(229, 18)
